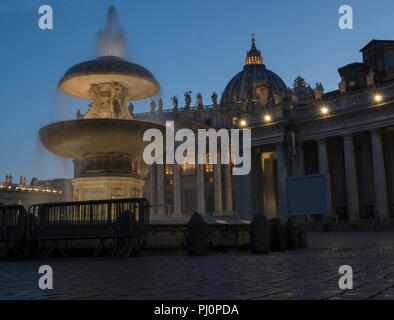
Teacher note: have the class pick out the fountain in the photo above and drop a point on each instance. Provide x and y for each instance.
(106, 141)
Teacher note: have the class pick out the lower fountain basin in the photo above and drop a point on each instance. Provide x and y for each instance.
(87, 138)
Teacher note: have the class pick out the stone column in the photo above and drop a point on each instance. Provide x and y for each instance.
(201, 208)
(270, 193)
(218, 186)
(379, 174)
(390, 163)
(323, 169)
(177, 191)
(244, 196)
(282, 176)
(249, 198)
(153, 188)
(300, 159)
(257, 182)
(228, 188)
(351, 178)
(297, 164)
(366, 184)
(161, 191)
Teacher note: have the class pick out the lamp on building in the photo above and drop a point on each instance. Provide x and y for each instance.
(267, 118)
(243, 123)
(378, 98)
(324, 110)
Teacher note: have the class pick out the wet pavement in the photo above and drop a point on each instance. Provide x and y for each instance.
(305, 274)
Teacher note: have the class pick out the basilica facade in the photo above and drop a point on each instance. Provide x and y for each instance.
(346, 134)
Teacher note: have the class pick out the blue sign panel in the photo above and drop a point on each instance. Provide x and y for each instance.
(307, 195)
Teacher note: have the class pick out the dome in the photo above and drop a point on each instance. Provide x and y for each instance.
(241, 87)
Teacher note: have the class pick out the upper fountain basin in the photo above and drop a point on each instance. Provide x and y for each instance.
(139, 81)
(82, 139)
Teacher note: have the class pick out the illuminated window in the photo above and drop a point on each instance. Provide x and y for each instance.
(210, 180)
(188, 166)
(235, 120)
(169, 169)
(208, 166)
(171, 181)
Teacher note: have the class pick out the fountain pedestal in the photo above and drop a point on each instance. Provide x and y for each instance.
(107, 187)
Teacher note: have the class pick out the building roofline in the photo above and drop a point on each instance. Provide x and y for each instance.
(376, 41)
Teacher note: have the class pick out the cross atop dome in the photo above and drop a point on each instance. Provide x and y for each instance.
(253, 56)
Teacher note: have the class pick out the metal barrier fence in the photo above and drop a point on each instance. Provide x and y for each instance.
(12, 223)
(90, 219)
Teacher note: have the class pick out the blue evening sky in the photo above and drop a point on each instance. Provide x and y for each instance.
(198, 45)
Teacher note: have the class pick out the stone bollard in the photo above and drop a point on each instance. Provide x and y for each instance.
(197, 235)
(291, 235)
(302, 231)
(260, 235)
(277, 235)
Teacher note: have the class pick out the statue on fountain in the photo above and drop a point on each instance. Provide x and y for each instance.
(79, 115)
(131, 109)
(119, 94)
(108, 101)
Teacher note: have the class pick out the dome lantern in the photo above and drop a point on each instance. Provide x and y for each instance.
(253, 56)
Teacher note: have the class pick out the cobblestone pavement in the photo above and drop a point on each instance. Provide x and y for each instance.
(305, 274)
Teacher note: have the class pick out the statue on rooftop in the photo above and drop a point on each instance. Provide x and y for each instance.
(302, 91)
(199, 100)
(214, 98)
(370, 78)
(319, 90)
(152, 106)
(188, 99)
(342, 85)
(175, 102)
(160, 105)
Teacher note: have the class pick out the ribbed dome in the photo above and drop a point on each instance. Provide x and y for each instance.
(241, 88)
